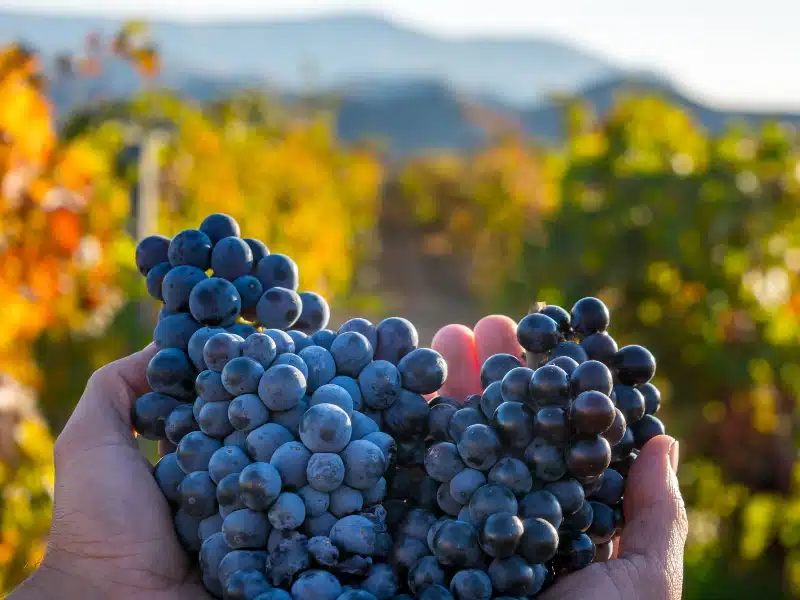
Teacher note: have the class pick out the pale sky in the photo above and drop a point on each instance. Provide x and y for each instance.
(729, 52)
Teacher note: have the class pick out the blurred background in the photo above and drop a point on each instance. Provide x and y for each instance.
(435, 160)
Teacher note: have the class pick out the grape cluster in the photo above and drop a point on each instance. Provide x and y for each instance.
(524, 483)
(279, 440)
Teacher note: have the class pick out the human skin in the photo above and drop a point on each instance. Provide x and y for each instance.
(112, 534)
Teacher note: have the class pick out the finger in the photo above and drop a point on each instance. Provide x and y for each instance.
(655, 524)
(456, 344)
(496, 334)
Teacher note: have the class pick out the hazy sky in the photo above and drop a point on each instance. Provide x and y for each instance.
(725, 51)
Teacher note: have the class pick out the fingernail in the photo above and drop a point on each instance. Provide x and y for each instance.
(674, 456)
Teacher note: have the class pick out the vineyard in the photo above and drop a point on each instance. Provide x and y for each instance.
(692, 241)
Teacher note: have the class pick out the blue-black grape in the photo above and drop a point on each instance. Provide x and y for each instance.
(569, 349)
(501, 534)
(247, 412)
(512, 473)
(196, 344)
(293, 360)
(225, 461)
(463, 418)
(575, 552)
(560, 316)
(380, 384)
(190, 247)
(333, 394)
(220, 349)
(386, 443)
(550, 386)
(635, 365)
(261, 348)
(652, 398)
(547, 460)
(538, 333)
(551, 425)
(150, 414)
(425, 572)
(630, 401)
(590, 315)
(351, 386)
(218, 226)
(489, 499)
(646, 429)
(245, 528)
(288, 512)
(491, 398)
(169, 475)
(514, 422)
(496, 366)
(513, 576)
(515, 386)
(177, 286)
(170, 372)
(541, 504)
(591, 375)
(351, 352)
(315, 314)
(604, 524)
(281, 387)
(242, 376)
(396, 338)
(600, 346)
(155, 280)
(479, 447)
(278, 308)
(250, 291)
(180, 422)
(316, 502)
(209, 526)
(325, 428)
(284, 344)
(150, 252)
(260, 485)
(407, 417)
(263, 441)
(198, 495)
(213, 420)
(443, 461)
(316, 585)
(215, 301)
(456, 544)
(277, 270)
(345, 500)
(321, 366)
(229, 495)
(187, 529)
(291, 461)
(471, 584)
(324, 338)
(292, 418)
(539, 541)
(364, 464)
(301, 340)
(231, 258)
(592, 412)
(587, 457)
(208, 385)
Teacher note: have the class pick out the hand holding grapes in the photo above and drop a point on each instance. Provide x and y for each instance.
(112, 532)
(648, 558)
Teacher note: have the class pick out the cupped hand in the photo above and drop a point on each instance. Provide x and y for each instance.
(648, 557)
(112, 532)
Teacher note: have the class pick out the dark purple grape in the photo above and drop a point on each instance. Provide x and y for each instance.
(456, 544)
(260, 485)
(479, 447)
(245, 528)
(220, 349)
(321, 366)
(491, 398)
(278, 308)
(208, 385)
(512, 473)
(284, 344)
(600, 346)
(551, 425)
(240, 560)
(218, 226)
(587, 457)
(501, 534)
(425, 572)
(187, 530)
(571, 350)
(277, 270)
(316, 585)
(196, 344)
(408, 417)
(212, 552)
(541, 504)
(591, 376)
(611, 489)
(604, 524)
(546, 460)
(539, 542)
(396, 338)
(231, 258)
(380, 384)
(652, 398)
(512, 576)
(151, 251)
(198, 495)
(225, 461)
(150, 414)
(326, 428)
(538, 333)
(630, 401)
(439, 417)
(634, 365)
(550, 386)
(190, 247)
(625, 446)
(646, 429)
(315, 314)
(565, 363)
(579, 521)
(590, 315)
(213, 420)
(490, 499)
(180, 422)
(287, 512)
(281, 387)
(247, 412)
(446, 502)
(514, 424)
(465, 483)
(422, 370)
(515, 386)
(351, 352)
(168, 476)
(155, 280)
(569, 494)
(356, 534)
(463, 418)
(560, 316)
(291, 462)
(615, 433)
(177, 286)
(406, 552)
(495, 368)
(443, 462)
(592, 413)
(170, 372)
(324, 338)
(242, 376)
(250, 291)
(574, 553)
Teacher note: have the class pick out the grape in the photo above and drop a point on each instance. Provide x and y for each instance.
(315, 314)
(259, 250)
(591, 376)
(575, 552)
(263, 441)
(579, 521)
(479, 447)
(155, 280)
(456, 544)
(196, 344)
(245, 528)
(187, 529)
(231, 258)
(617, 430)
(356, 595)
(325, 471)
(356, 534)
(646, 429)
(472, 401)
(170, 372)
(380, 384)
(323, 551)
(284, 344)
(565, 363)
(551, 425)
(180, 422)
(345, 500)
(589, 456)
(571, 350)
(514, 424)
(630, 401)
(151, 251)
(590, 315)
(491, 398)
(515, 386)
(364, 464)
(560, 316)
(198, 405)
(592, 413)
(278, 308)
(225, 461)
(408, 416)
(611, 489)
(538, 333)
(213, 420)
(218, 226)
(213, 550)
(603, 526)
(465, 483)
(301, 340)
(539, 542)
(250, 291)
(215, 301)
(541, 504)
(321, 366)
(247, 413)
(569, 494)
(291, 462)
(192, 248)
(209, 526)
(385, 442)
(652, 398)
(407, 551)
(471, 584)
(168, 476)
(501, 534)
(243, 330)
(292, 418)
(490, 499)
(277, 270)
(150, 414)
(362, 425)
(177, 286)
(495, 368)
(600, 346)
(242, 376)
(281, 387)
(462, 419)
(512, 576)
(376, 493)
(260, 485)
(208, 385)
(325, 428)
(351, 386)
(261, 348)
(635, 365)
(512, 473)
(550, 386)
(425, 572)
(220, 349)
(198, 495)
(288, 512)
(439, 421)
(333, 394)
(396, 338)
(229, 495)
(446, 502)
(324, 338)
(316, 502)
(435, 592)
(351, 352)
(547, 460)
(625, 446)
(422, 370)
(443, 462)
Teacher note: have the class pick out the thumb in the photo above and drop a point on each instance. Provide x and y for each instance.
(656, 524)
(103, 414)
